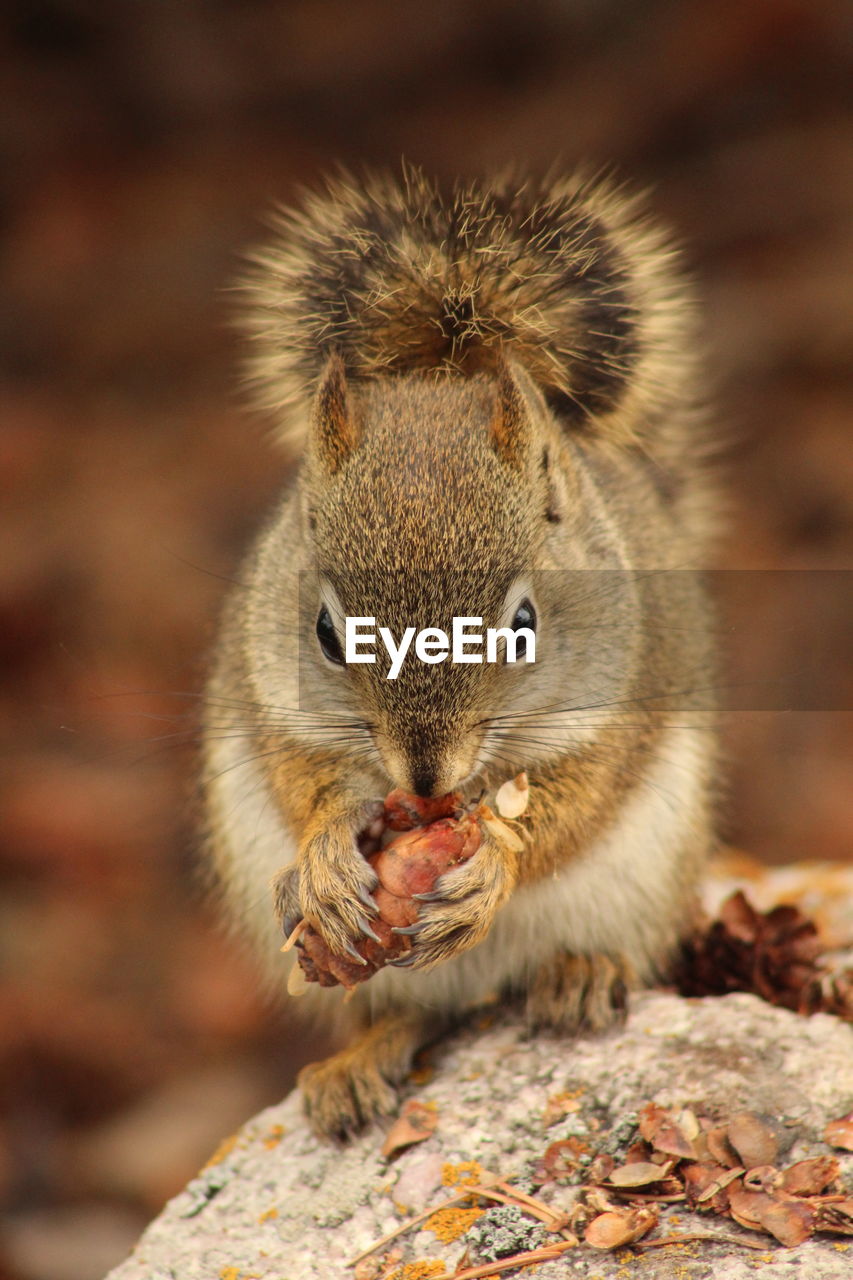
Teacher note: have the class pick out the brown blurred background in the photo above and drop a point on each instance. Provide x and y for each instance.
(141, 142)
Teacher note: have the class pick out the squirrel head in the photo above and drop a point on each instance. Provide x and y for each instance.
(424, 499)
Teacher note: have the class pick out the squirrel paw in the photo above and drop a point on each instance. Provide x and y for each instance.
(572, 993)
(348, 1091)
(342, 1097)
(459, 912)
(335, 883)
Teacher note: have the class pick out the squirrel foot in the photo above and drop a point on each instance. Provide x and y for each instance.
(356, 1086)
(572, 993)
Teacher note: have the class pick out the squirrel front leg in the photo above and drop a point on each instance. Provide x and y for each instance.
(330, 884)
(461, 909)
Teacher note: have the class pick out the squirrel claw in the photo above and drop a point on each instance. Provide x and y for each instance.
(408, 930)
(404, 962)
(364, 926)
(353, 954)
(367, 898)
(289, 923)
(427, 897)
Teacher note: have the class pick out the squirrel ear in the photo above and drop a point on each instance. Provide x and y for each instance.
(333, 433)
(512, 422)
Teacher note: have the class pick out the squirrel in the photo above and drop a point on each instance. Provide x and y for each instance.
(497, 399)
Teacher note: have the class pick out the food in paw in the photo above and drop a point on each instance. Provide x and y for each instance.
(435, 836)
(404, 811)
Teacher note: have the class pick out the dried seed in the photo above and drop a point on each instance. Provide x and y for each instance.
(839, 1133)
(415, 1122)
(790, 1221)
(297, 983)
(659, 1128)
(511, 799)
(611, 1230)
(498, 830)
(639, 1174)
(752, 1140)
(810, 1177)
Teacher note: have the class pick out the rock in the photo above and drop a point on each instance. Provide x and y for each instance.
(275, 1201)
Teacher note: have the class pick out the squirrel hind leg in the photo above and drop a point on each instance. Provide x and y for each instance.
(349, 1091)
(571, 993)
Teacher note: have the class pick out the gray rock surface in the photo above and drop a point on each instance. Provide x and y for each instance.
(275, 1204)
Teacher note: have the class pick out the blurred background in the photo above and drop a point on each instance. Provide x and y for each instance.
(141, 144)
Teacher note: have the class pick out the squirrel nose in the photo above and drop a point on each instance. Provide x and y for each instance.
(423, 782)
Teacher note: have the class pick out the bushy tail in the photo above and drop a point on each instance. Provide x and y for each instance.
(569, 277)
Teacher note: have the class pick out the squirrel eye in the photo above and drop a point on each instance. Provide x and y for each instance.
(328, 637)
(524, 616)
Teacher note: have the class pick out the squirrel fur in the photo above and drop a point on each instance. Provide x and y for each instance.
(497, 397)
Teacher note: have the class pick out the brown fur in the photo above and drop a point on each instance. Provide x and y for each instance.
(357, 1085)
(579, 993)
(500, 400)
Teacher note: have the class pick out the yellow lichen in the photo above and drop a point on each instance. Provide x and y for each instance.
(274, 1136)
(224, 1149)
(566, 1099)
(449, 1224)
(419, 1271)
(461, 1175)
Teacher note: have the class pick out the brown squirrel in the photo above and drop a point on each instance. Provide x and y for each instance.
(499, 403)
